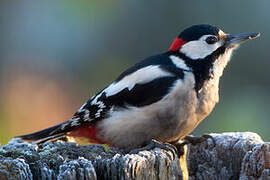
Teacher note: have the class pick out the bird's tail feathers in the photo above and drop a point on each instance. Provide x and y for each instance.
(48, 134)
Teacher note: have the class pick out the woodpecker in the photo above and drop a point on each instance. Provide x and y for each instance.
(163, 97)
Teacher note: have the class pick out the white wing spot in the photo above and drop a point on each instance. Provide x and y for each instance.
(97, 115)
(75, 122)
(81, 108)
(101, 106)
(71, 122)
(86, 115)
(95, 100)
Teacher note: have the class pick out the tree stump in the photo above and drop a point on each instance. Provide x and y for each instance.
(232, 156)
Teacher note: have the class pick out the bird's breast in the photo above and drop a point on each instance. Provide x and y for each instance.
(208, 97)
(171, 118)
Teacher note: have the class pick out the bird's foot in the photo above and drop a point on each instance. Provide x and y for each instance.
(194, 140)
(180, 148)
(156, 144)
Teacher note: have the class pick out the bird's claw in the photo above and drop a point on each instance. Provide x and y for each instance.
(180, 148)
(194, 140)
(177, 148)
(189, 139)
(156, 144)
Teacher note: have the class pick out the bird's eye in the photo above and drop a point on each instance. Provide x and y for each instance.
(211, 39)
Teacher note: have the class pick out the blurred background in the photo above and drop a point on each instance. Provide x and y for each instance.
(54, 55)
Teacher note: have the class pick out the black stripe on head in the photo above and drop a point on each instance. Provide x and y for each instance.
(201, 67)
(195, 32)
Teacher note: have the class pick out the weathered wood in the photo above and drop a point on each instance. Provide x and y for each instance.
(233, 156)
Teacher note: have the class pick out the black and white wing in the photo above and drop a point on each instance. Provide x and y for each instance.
(143, 84)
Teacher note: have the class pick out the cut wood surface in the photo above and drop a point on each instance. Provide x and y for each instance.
(232, 156)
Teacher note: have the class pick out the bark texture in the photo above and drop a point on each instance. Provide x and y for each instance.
(232, 156)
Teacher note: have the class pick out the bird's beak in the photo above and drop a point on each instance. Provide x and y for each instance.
(233, 40)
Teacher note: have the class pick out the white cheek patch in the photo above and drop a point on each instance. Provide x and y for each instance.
(199, 49)
(140, 76)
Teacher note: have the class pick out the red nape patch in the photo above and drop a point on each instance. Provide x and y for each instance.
(88, 132)
(176, 45)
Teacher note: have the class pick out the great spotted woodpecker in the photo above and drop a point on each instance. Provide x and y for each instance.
(164, 97)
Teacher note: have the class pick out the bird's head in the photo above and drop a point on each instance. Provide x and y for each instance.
(206, 50)
(199, 41)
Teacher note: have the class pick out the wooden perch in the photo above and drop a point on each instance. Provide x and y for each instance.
(233, 156)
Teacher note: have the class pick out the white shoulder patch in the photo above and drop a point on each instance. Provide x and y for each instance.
(180, 63)
(143, 75)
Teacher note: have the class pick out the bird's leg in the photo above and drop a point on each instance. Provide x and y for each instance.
(153, 144)
(194, 140)
(180, 147)
(189, 139)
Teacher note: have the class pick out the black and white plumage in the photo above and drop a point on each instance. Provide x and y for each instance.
(163, 97)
